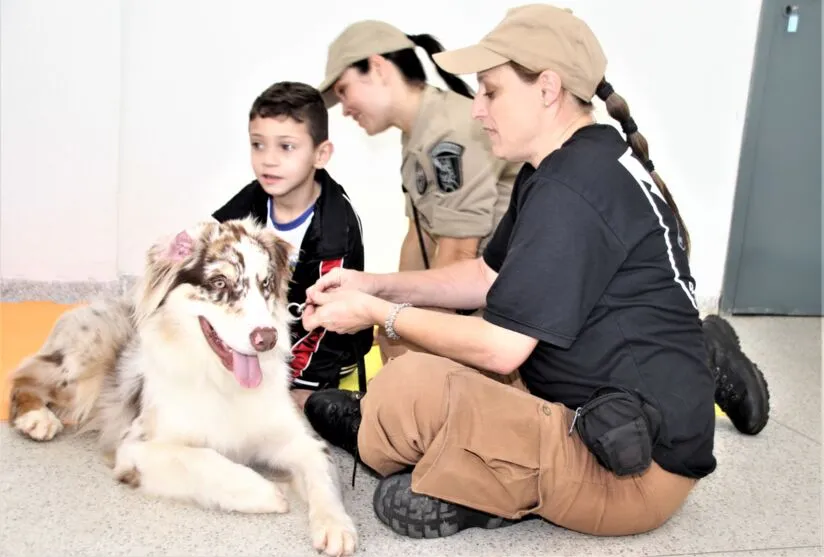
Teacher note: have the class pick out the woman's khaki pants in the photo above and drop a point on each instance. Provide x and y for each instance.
(494, 447)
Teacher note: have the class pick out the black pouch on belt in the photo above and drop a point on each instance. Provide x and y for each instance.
(619, 428)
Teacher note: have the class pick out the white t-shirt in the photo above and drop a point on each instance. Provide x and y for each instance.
(294, 231)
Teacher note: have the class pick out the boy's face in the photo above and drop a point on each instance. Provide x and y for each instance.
(283, 155)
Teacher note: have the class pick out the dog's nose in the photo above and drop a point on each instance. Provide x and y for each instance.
(264, 338)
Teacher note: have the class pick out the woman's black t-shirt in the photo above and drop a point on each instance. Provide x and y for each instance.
(591, 262)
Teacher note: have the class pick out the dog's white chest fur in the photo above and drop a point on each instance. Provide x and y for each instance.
(213, 410)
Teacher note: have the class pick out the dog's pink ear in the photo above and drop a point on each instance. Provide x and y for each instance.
(181, 247)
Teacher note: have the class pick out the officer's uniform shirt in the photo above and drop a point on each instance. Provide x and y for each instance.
(459, 188)
(591, 263)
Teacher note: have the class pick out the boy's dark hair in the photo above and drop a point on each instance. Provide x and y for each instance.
(298, 101)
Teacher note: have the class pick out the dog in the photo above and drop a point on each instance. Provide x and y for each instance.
(185, 382)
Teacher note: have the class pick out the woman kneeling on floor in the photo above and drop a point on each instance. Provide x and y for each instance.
(587, 292)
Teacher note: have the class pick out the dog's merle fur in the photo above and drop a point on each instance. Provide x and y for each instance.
(170, 413)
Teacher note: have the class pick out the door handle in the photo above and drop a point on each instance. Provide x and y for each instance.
(791, 13)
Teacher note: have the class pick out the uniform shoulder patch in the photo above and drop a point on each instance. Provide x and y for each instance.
(446, 158)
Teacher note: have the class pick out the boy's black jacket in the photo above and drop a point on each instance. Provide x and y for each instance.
(333, 238)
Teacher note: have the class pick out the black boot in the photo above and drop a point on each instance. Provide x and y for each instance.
(420, 516)
(335, 415)
(740, 388)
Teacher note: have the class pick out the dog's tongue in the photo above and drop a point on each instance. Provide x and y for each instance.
(246, 369)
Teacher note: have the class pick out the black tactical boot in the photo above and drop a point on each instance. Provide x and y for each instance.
(420, 516)
(740, 388)
(335, 415)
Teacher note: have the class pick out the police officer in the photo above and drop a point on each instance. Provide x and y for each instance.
(455, 189)
(454, 186)
(588, 293)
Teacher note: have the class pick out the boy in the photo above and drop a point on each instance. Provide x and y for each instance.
(294, 194)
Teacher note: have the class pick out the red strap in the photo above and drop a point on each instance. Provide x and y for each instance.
(305, 348)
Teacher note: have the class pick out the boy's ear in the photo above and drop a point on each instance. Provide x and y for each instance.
(323, 153)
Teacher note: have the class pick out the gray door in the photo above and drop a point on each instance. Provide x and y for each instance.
(774, 254)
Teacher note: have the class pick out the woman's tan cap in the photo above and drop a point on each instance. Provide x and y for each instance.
(358, 42)
(539, 37)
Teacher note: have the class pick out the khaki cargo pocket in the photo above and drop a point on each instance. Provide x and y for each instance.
(487, 456)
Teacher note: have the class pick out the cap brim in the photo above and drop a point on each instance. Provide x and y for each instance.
(330, 99)
(470, 59)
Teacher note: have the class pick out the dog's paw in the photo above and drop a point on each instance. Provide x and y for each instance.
(263, 498)
(40, 424)
(334, 535)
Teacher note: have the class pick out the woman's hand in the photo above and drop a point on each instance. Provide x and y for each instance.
(340, 279)
(343, 311)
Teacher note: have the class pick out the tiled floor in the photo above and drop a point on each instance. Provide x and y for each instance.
(764, 499)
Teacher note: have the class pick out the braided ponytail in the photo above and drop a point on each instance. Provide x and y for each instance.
(619, 110)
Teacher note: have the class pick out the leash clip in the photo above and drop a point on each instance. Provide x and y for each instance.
(296, 309)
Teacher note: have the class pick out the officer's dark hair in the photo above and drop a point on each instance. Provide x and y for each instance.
(298, 101)
(411, 68)
(617, 108)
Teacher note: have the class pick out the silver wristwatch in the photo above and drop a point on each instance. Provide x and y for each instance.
(390, 320)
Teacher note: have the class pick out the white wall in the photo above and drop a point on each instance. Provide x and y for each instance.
(59, 119)
(123, 121)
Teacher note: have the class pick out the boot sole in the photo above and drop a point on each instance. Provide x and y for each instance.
(420, 516)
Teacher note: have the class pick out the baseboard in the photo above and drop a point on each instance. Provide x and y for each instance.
(72, 292)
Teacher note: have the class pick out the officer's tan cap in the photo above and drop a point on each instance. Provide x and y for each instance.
(539, 37)
(358, 42)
